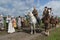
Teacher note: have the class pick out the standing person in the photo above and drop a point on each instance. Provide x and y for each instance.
(22, 21)
(7, 22)
(19, 22)
(14, 22)
(10, 27)
(1, 22)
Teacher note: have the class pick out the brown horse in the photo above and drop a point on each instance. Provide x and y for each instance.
(46, 20)
(54, 21)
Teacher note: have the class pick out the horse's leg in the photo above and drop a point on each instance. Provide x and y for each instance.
(45, 27)
(34, 28)
(31, 29)
(50, 25)
(47, 30)
(55, 24)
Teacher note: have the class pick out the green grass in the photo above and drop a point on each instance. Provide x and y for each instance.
(54, 35)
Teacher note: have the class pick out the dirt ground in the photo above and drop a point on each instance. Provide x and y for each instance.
(19, 36)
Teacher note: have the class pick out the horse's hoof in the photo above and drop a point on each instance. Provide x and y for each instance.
(34, 32)
(31, 33)
(47, 33)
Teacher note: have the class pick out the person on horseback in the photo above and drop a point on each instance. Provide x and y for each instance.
(45, 11)
(35, 13)
(46, 20)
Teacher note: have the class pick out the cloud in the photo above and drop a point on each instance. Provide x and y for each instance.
(15, 7)
(55, 5)
(20, 7)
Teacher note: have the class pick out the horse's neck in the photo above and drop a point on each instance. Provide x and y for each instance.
(32, 17)
(33, 20)
(56, 19)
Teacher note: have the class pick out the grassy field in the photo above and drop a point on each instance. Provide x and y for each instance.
(54, 35)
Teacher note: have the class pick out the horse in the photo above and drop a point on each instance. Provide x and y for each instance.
(32, 21)
(46, 20)
(54, 21)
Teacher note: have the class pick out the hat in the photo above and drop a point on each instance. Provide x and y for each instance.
(45, 6)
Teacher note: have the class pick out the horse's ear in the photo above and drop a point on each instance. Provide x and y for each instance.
(28, 13)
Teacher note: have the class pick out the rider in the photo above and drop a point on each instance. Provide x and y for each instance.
(45, 11)
(35, 13)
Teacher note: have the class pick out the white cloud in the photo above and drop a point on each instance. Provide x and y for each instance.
(20, 7)
(55, 5)
(15, 7)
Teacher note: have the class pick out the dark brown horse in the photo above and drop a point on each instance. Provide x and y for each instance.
(54, 21)
(46, 20)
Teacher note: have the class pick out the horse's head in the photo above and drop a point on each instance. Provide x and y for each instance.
(49, 10)
(30, 14)
(32, 19)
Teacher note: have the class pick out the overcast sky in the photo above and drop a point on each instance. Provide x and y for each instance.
(21, 7)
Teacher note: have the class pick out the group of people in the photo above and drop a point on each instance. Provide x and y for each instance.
(1, 22)
(11, 23)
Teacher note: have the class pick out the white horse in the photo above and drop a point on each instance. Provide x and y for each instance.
(33, 22)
